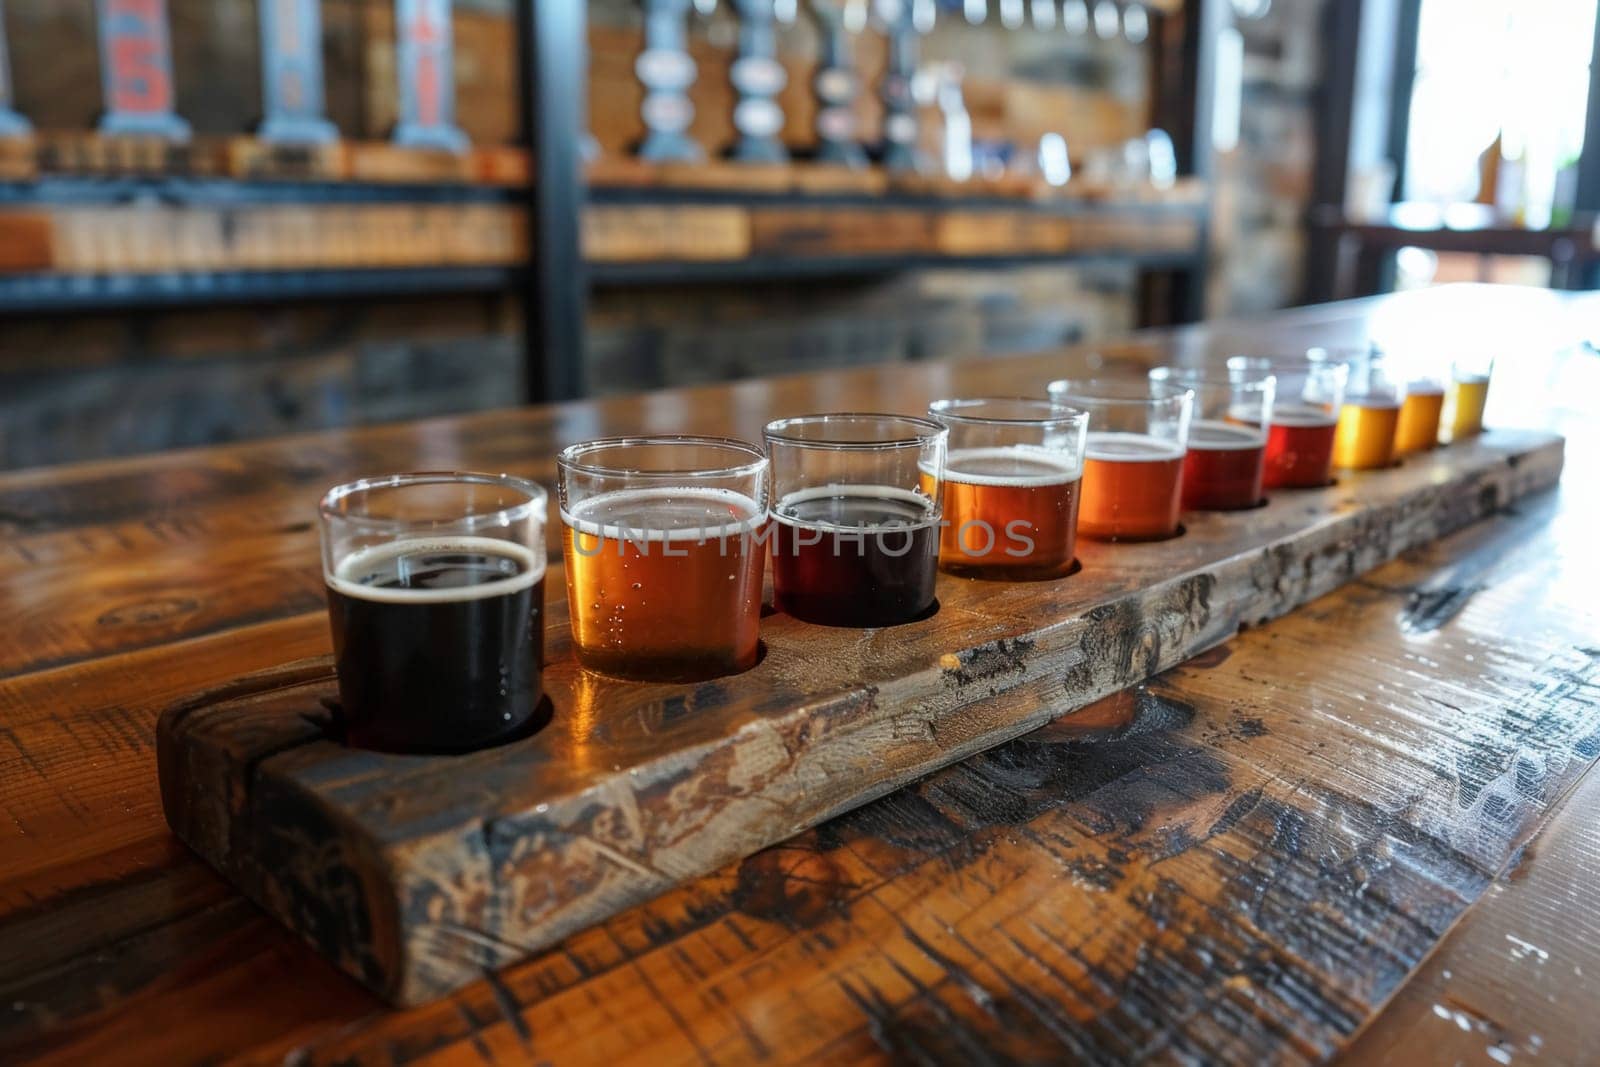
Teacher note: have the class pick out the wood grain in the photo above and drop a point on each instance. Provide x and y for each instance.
(1517, 978)
(444, 867)
(120, 946)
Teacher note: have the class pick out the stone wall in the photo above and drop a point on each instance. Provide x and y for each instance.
(1263, 187)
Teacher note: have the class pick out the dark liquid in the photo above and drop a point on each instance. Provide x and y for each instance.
(437, 675)
(879, 570)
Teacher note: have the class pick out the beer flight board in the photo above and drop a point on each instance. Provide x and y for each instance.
(415, 873)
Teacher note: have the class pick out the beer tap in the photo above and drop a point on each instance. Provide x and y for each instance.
(1105, 19)
(667, 72)
(957, 140)
(1011, 14)
(1075, 16)
(975, 11)
(136, 76)
(758, 78)
(1044, 14)
(836, 87)
(425, 63)
(900, 152)
(291, 74)
(1135, 23)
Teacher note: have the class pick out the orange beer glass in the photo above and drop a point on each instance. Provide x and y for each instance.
(1133, 455)
(1012, 476)
(662, 540)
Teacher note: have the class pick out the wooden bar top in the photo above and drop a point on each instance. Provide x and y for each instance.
(1357, 829)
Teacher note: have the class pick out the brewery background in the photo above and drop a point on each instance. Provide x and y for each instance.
(160, 289)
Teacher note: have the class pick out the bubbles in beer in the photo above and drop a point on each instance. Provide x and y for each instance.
(665, 582)
(430, 623)
(1224, 467)
(1009, 512)
(1130, 487)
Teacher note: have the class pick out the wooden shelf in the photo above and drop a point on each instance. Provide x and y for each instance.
(131, 240)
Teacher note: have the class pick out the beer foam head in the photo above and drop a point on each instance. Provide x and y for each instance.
(1303, 415)
(347, 577)
(891, 506)
(1376, 401)
(681, 513)
(1207, 435)
(1131, 447)
(1013, 466)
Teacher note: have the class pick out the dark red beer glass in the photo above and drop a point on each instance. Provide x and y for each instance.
(855, 522)
(1227, 437)
(1304, 417)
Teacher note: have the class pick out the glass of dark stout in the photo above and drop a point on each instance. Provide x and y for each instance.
(856, 510)
(436, 600)
(1226, 461)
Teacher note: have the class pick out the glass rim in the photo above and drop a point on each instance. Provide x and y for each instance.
(570, 458)
(922, 430)
(538, 501)
(1052, 412)
(1082, 391)
(1346, 354)
(1206, 376)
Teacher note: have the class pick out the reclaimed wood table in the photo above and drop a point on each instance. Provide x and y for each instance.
(1359, 830)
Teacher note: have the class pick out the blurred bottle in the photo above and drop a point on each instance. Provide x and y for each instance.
(957, 140)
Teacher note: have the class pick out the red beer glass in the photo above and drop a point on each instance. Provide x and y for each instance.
(1227, 437)
(1304, 415)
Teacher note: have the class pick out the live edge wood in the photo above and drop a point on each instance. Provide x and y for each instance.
(417, 875)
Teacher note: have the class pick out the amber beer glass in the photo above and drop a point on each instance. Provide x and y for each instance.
(436, 602)
(1365, 437)
(1133, 456)
(1012, 473)
(1304, 416)
(855, 535)
(1226, 461)
(663, 542)
(1467, 396)
(1420, 411)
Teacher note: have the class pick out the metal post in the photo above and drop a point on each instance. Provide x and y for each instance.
(425, 64)
(1184, 94)
(291, 73)
(1341, 34)
(136, 70)
(12, 124)
(555, 111)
